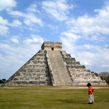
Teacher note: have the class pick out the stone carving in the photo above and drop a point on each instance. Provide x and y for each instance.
(53, 66)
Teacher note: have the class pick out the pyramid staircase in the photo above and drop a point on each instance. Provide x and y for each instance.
(59, 70)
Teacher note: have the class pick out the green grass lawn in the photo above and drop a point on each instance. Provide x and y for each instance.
(45, 97)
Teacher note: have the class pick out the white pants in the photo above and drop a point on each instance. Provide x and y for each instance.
(91, 98)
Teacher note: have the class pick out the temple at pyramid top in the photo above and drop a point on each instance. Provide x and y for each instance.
(53, 66)
(51, 45)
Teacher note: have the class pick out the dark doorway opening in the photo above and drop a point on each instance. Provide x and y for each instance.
(52, 48)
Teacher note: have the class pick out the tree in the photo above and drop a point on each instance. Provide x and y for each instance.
(107, 79)
(4, 80)
(1, 81)
(104, 76)
(95, 73)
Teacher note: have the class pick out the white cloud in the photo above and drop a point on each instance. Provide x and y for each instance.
(16, 13)
(105, 65)
(35, 40)
(71, 36)
(15, 23)
(85, 57)
(103, 13)
(26, 45)
(3, 21)
(7, 4)
(69, 39)
(3, 28)
(51, 26)
(29, 18)
(32, 8)
(88, 47)
(58, 9)
(4, 46)
(32, 29)
(4, 25)
(104, 53)
(14, 40)
(93, 57)
(91, 25)
(97, 38)
(105, 47)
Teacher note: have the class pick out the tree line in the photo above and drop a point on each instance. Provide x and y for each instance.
(104, 76)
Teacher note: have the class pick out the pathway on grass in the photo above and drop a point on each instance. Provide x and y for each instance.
(76, 87)
(56, 87)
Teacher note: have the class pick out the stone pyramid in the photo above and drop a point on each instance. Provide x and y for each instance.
(53, 66)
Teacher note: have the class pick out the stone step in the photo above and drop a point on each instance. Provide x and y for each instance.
(60, 72)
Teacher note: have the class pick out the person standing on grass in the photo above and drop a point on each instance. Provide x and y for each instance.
(90, 93)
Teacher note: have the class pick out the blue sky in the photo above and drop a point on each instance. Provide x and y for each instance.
(81, 25)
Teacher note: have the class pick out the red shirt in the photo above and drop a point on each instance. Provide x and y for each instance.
(90, 90)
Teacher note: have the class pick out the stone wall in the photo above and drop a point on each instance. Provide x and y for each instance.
(51, 46)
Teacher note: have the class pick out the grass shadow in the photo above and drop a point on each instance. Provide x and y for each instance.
(71, 101)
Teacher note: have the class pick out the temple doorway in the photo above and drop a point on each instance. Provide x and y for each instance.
(52, 48)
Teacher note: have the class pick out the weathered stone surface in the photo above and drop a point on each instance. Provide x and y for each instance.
(79, 74)
(59, 70)
(53, 66)
(34, 72)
